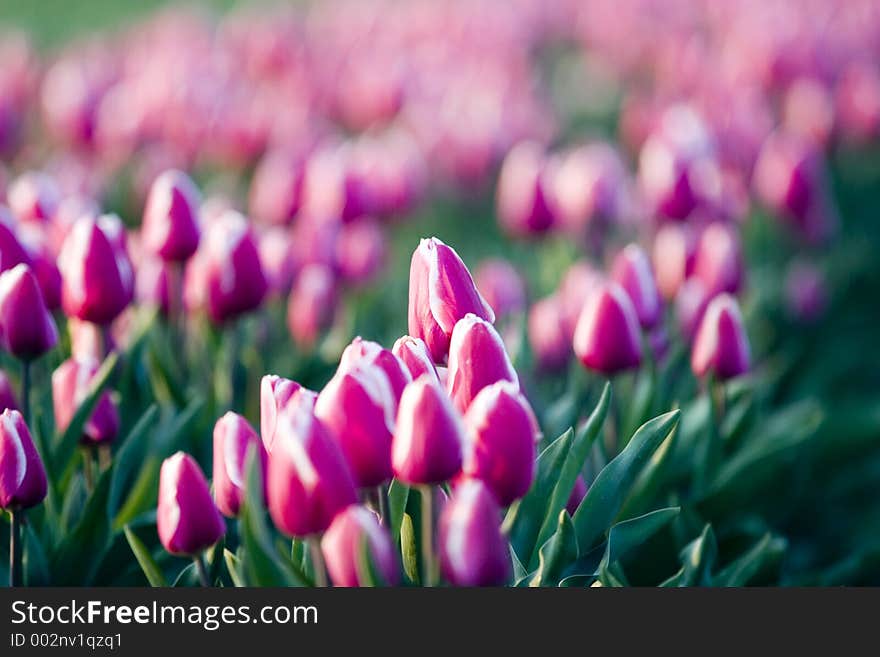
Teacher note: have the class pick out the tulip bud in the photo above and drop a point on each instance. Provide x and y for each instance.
(718, 262)
(22, 476)
(33, 196)
(607, 335)
(551, 346)
(233, 277)
(477, 358)
(721, 345)
(186, 517)
(276, 188)
(428, 439)
(45, 267)
(70, 386)
(578, 493)
(360, 251)
(352, 531)
(690, 306)
(525, 197)
(501, 286)
(98, 282)
(275, 394)
(441, 291)
(577, 285)
(358, 407)
(309, 479)
(12, 252)
(632, 272)
(362, 351)
(7, 394)
(279, 260)
(673, 255)
(311, 307)
(502, 430)
(414, 354)
(170, 227)
(233, 438)
(27, 330)
(473, 551)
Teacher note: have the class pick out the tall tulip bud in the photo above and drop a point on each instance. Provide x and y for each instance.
(233, 438)
(502, 430)
(429, 435)
(550, 343)
(441, 291)
(673, 256)
(578, 493)
(607, 335)
(170, 227)
(721, 345)
(311, 307)
(309, 480)
(632, 271)
(477, 358)
(276, 188)
(718, 261)
(358, 408)
(70, 385)
(98, 282)
(186, 517)
(12, 252)
(362, 351)
(27, 330)
(34, 196)
(473, 551)
(525, 194)
(690, 306)
(276, 392)
(352, 531)
(413, 352)
(22, 476)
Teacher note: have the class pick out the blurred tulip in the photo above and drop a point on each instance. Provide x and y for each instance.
(501, 286)
(311, 307)
(502, 431)
(788, 176)
(353, 531)
(858, 101)
(360, 251)
(44, 265)
(718, 261)
(551, 346)
(27, 330)
(309, 479)
(690, 306)
(33, 196)
(22, 476)
(721, 346)
(607, 337)
(808, 110)
(673, 257)
(7, 394)
(441, 291)
(477, 358)
(71, 382)
(186, 517)
(12, 252)
(233, 439)
(414, 354)
(632, 271)
(805, 291)
(170, 227)
(473, 551)
(362, 351)
(279, 260)
(525, 194)
(578, 493)
(153, 279)
(358, 406)
(429, 435)
(275, 394)
(276, 188)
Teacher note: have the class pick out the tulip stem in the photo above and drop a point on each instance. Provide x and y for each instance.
(199, 561)
(15, 570)
(384, 507)
(317, 561)
(26, 391)
(714, 444)
(428, 565)
(88, 468)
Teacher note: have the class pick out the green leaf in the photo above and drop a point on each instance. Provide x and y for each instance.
(408, 551)
(560, 550)
(572, 467)
(129, 454)
(151, 569)
(698, 558)
(651, 480)
(607, 493)
(233, 567)
(519, 571)
(765, 554)
(142, 495)
(368, 573)
(398, 493)
(625, 536)
(35, 563)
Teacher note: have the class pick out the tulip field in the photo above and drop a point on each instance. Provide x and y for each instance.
(560, 293)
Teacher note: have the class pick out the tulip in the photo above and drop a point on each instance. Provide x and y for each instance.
(721, 346)
(718, 261)
(153, 281)
(589, 186)
(607, 335)
(186, 517)
(673, 257)
(690, 306)
(276, 188)
(279, 259)
(233, 439)
(525, 196)
(502, 430)
(577, 285)
(98, 282)
(428, 439)
(473, 551)
(632, 271)
(578, 493)
(70, 386)
(33, 196)
(44, 265)
(788, 176)
(27, 330)
(362, 351)
(12, 252)
(7, 394)
(352, 531)
(551, 346)
(805, 291)
(360, 251)
(477, 358)
(808, 110)
(501, 286)
(358, 407)
(311, 307)
(441, 291)
(858, 101)
(414, 354)
(309, 479)
(170, 227)
(275, 394)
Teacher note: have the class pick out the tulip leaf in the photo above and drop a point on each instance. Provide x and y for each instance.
(151, 569)
(188, 577)
(129, 454)
(398, 493)
(368, 573)
(611, 486)
(233, 567)
(559, 550)
(626, 536)
(765, 554)
(408, 551)
(519, 571)
(142, 495)
(698, 558)
(651, 479)
(572, 467)
(35, 563)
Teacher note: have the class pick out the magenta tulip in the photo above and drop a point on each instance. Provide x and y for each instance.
(275, 394)
(673, 257)
(362, 351)
(170, 227)
(360, 251)
(550, 343)
(233, 439)
(70, 386)
(690, 306)
(311, 307)
(33, 196)
(805, 291)
(352, 531)
(414, 354)
(632, 271)
(578, 493)
(721, 346)
(12, 252)
(22, 476)
(27, 330)
(607, 335)
(186, 517)
(718, 261)
(525, 195)
(276, 188)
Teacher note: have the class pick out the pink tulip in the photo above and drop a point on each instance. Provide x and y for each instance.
(441, 291)
(70, 386)
(311, 307)
(501, 286)
(632, 271)
(360, 251)
(673, 257)
(414, 354)
(233, 439)
(275, 394)
(186, 517)
(27, 330)
(721, 346)
(369, 353)
(502, 431)
(33, 196)
(279, 259)
(607, 335)
(276, 188)
(170, 227)
(22, 476)
(525, 196)
(352, 531)
(690, 306)
(548, 337)
(718, 261)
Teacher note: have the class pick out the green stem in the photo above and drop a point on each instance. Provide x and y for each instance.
(384, 507)
(26, 391)
(199, 560)
(318, 561)
(429, 566)
(88, 468)
(15, 551)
